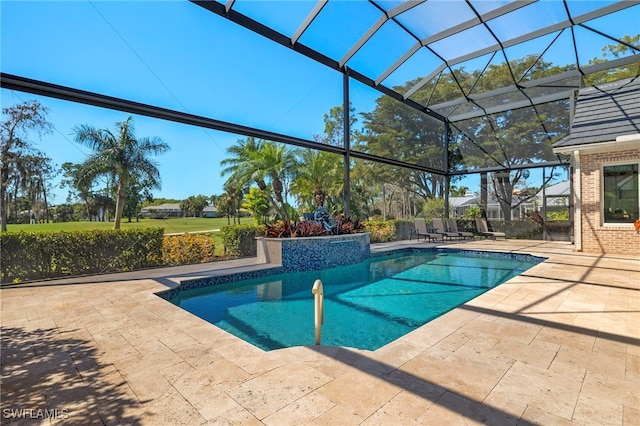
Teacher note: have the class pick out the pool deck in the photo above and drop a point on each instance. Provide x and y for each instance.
(557, 345)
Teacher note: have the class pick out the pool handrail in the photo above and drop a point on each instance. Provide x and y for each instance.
(318, 292)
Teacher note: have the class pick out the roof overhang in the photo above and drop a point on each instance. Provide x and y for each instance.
(622, 143)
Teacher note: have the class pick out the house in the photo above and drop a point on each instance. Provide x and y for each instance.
(162, 211)
(604, 148)
(209, 211)
(553, 193)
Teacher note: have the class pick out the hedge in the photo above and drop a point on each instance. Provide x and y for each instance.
(33, 256)
(187, 249)
(239, 240)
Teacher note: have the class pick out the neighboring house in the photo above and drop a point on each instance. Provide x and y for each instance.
(209, 211)
(553, 193)
(604, 145)
(162, 211)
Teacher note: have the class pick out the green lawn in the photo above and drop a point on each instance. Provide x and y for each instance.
(170, 225)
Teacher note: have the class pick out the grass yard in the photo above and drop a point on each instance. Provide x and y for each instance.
(170, 225)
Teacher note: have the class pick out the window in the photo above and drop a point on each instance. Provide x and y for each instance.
(621, 195)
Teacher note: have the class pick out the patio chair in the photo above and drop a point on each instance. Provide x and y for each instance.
(483, 229)
(438, 224)
(453, 227)
(420, 230)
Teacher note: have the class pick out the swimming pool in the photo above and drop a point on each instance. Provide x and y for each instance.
(367, 305)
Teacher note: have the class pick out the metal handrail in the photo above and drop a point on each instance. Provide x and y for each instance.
(319, 308)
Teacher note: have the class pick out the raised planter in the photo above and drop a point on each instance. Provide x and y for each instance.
(312, 253)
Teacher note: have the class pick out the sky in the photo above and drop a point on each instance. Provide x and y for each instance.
(176, 55)
(171, 56)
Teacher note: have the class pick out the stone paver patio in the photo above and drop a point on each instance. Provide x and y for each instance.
(557, 345)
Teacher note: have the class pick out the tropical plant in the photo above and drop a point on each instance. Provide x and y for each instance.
(308, 228)
(346, 225)
(278, 229)
(318, 170)
(121, 155)
(257, 203)
(262, 162)
(472, 212)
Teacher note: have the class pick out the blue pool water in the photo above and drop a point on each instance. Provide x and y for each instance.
(366, 305)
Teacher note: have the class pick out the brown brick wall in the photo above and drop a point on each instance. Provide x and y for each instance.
(596, 238)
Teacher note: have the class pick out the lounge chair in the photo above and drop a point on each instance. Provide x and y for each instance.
(420, 230)
(453, 227)
(483, 229)
(438, 224)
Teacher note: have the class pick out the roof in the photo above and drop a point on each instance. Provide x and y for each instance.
(165, 206)
(463, 201)
(604, 113)
(560, 188)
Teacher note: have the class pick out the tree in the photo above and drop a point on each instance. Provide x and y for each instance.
(615, 51)
(194, 205)
(328, 175)
(394, 130)
(235, 191)
(512, 138)
(225, 206)
(459, 192)
(77, 183)
(122, 155)
(334, 127)
(262, 162)
(318, 170)
(138, 191)
(20, 120)
(257, 203)
(63, 213)
(34, 172)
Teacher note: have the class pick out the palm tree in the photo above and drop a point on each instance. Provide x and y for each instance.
(318, 170)
(120, 155)
(262, 162)
(235, 190)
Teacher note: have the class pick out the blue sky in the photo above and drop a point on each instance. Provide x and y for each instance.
(177, 55)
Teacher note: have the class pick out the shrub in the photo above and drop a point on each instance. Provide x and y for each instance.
(308, 229)
(187, 249)
(26, 256)
(381, 231)
(346, 225)
(239, 240)
(278, 229)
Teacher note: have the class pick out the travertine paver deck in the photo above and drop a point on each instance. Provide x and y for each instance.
(557, 345)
